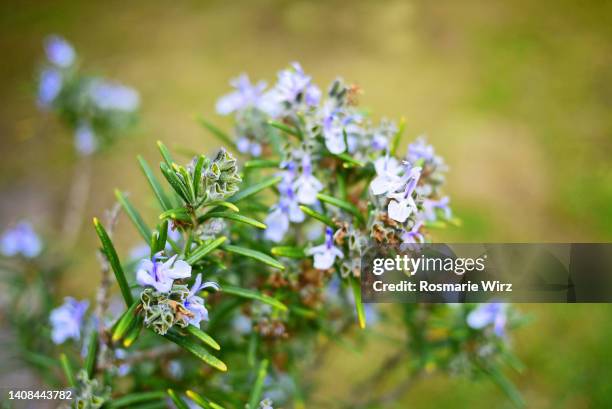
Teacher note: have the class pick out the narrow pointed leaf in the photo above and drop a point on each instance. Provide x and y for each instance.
(254, 189)
(135, 398)
(349, 161)
(204, 249)
(395, 142)
(262, 371)
(202, 401)
(157, 188)
(222, 136)
(165, 153)
(113, 260)
(221, 203)
(161, 237)
(197, 174)
(285, 128)
(254, 254)
(356, 287)
(316, 215)
(235, 217)
(287, 251)
(67, 368)
(197, 350)
(178, 213)
(203, 336)
(125, 322)
(342, 204)
(177, 400)
(133, 333)
(261, 163)
(174, 181)
(134, 216)
(253, 295)
(92, 352)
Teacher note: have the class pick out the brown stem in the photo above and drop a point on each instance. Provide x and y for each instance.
(77, 201)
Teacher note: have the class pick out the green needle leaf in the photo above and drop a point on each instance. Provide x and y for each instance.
(204, 249)
(174, 181)
(258, 386)
(203, 402)
(356, 287)
(197, 174)
(320, 217)
(227, 205)
(67, 368)
(113, 260)
(92, 352)
(165, 153)
(125, 322)
(286, 128)
(254, 189)
(235, 217)
(157, 188)
(261, 163)
(196, 349)
(349, 161)
(178, 213)
(253, 295)
(342, 204)
(398, 136)
(177, 400)
(254, 254)
(203, 336)
(287, 251)
(134, 216)
(133, 398)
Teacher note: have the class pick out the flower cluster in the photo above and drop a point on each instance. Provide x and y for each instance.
(96, 109)
(165, 303)
(333, 133)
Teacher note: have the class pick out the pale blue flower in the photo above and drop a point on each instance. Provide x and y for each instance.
(491, 314)
(402, 204)
(294, 87)
(85, 140)
(412, 236)
(246, 95)
(387, 178)
(161, 275)
(67, 320)
(49, 86)
(21, 240)
(195, 303)
(307, 186)
(287, 210)
(325, 254)
(430, 208)
(245, 145)
(333, 130)
(107, 95)
(420, 149)
(241, 324)
(59, 51)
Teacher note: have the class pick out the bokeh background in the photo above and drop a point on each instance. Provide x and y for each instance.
(516, 95)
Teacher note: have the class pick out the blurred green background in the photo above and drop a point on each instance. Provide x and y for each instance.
(516, 95)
